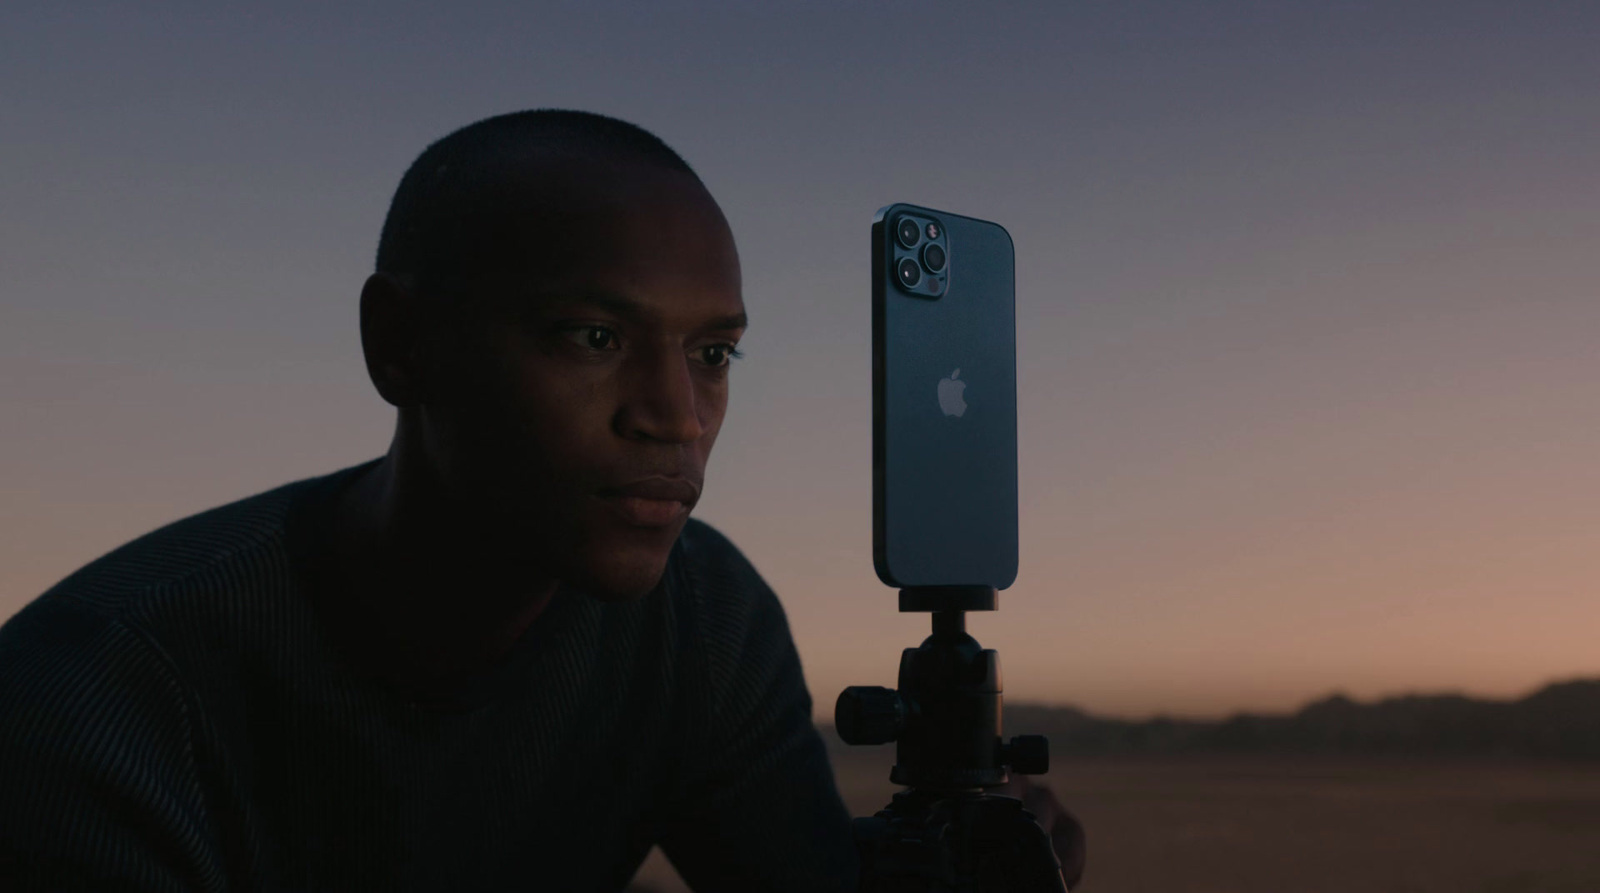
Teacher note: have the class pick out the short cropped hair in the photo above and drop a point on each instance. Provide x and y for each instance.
(450, 218)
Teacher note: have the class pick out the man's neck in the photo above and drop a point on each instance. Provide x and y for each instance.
(431, 597)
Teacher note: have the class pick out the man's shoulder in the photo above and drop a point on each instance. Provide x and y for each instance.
(227, 544)
(729, 598)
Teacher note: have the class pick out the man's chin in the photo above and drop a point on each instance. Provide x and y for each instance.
(615, 562)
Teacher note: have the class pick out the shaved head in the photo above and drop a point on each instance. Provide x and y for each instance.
(463, 208)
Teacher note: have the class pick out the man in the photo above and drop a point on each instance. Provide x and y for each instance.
(501, 656)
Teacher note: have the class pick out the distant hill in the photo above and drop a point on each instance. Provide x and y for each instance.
(1559, 721)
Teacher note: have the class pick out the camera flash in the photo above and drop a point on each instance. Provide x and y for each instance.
(933, 230)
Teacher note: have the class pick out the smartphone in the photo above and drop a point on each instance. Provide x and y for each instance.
(944, 400)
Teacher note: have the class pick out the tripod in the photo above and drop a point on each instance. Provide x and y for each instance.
(943, 834)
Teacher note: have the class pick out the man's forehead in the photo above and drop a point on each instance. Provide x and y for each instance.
(618, 232)
(576, 199)
(660, 228)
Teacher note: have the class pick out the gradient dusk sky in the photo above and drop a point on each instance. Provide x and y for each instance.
(1309, 333)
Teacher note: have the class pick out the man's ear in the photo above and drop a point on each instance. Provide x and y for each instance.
(393, 333)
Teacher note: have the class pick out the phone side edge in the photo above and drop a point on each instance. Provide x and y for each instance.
(880, 558)
(1016, 504)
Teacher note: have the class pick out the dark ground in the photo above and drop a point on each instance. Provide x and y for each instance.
(1310, 824)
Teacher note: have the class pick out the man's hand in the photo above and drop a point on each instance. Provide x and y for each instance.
(1066, 833)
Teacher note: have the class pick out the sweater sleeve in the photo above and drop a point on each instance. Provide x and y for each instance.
(98, 783)
(760, 809)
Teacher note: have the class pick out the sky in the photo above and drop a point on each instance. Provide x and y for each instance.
(1306, 300)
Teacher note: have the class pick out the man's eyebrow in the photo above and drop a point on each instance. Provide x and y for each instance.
(725, 323)
(609, 301)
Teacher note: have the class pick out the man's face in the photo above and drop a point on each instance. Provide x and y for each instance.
(580, 396)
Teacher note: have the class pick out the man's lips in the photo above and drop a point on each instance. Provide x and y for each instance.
(652, 502)
(658, 488)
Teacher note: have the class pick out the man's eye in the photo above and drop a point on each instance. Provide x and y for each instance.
(592, 337)
(719, 354)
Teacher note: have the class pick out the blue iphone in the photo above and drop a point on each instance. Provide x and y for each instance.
(944, 400)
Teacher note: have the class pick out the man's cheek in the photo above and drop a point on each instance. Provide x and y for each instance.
(711, 422)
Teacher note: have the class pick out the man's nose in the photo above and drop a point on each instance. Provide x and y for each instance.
(661, 403)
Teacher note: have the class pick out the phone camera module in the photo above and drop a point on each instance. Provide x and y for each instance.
(910, 274)
(933, 256)
(908, 232)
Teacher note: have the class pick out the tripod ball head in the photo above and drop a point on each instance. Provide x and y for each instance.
(943, 833)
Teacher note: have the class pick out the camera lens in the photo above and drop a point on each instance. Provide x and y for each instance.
(910, 273)
(908, 232)
(933, 256)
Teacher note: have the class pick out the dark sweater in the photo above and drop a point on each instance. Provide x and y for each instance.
(181, 715)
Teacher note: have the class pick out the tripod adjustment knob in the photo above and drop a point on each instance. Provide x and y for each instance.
(869, 714)
(1028, 755)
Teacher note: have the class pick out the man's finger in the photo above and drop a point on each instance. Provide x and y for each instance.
(1066, 832)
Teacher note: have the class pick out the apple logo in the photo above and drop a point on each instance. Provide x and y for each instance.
(950, 394)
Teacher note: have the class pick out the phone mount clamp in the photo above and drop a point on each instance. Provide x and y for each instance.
(944, 833)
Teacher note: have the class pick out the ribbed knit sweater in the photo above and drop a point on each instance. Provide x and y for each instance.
(180, 715)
